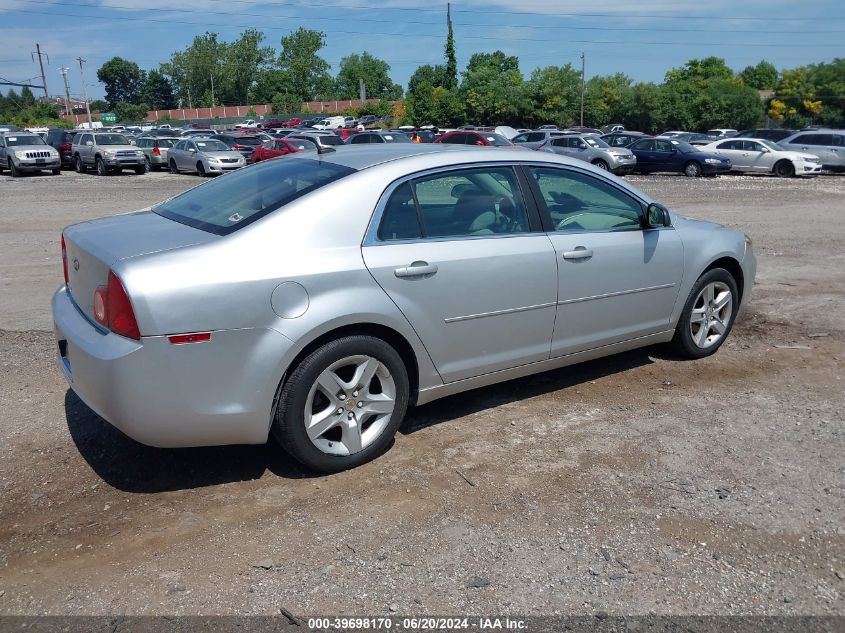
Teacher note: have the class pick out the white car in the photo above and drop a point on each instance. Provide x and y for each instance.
(765, 157)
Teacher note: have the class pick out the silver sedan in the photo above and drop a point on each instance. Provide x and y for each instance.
(203, 156)
(316, 298)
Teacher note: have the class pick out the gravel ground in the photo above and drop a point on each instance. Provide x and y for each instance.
(630, 485)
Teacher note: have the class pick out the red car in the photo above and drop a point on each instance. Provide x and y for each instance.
(281, 147)
(471, 137)
(294, 122)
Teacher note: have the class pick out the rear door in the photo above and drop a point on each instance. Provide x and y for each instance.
(646, 158)
(456, 252)
(733, 150)
(617, 281)
(665, 159)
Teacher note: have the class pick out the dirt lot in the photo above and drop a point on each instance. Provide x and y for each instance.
(630, 485)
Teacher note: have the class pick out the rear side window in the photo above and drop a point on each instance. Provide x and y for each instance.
(399, 220)
(226, 204)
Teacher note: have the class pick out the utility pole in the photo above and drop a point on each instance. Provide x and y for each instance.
(582, 88)
(85, 93)
(362, 91)
(63, 71)
(41, 64)
(212, 88)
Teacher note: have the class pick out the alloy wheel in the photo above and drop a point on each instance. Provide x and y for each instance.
(711, 314)
(349, 405)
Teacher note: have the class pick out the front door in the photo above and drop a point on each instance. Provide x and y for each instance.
(616, 281)
(456, 254)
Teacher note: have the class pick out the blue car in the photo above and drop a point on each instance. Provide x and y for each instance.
(666, 154)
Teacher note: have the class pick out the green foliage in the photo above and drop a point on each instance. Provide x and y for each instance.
(251, 113)
(811, 94)
(286, 103)
(158, 92)
(763, 76)
(372, 70)
(494, 90)
(606, 99)
(130, 112)
(39, 114)
(273, 82)
(555, 95)
(98, 105)
(308, 72)
(699, 71)
(124, 81)
(429, 101)
(451, 78)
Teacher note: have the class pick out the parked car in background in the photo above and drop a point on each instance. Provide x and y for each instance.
(721, 132)
(470, 137)
(106, 153)
(592, 149)
(612, 127)
(368, 119)
(693, 138)
(535, 138)
(770, 134)
(204, 157)
(331, 123)
(249, 123)
(243, 143)
(670, 155)
(622, 139)
(155, 150)
(281, 147)
(321, 139)
(766, 157)
(250, 306)
(584, 130)
(828, 145)
(61, 140)
(193, 132)
(25, 152)
(364, 138)
(671, 133)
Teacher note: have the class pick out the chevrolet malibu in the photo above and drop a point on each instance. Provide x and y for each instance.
(316, 298)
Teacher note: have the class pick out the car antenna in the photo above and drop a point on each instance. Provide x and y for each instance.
(325, 149)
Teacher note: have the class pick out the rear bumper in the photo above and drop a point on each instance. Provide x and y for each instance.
(204, 394)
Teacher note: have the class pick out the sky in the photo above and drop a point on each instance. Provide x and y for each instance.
(641, 38)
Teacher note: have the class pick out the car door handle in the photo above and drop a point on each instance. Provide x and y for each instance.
(579, 253)
(417, 269)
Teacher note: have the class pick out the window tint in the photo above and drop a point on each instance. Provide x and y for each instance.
(815, 139)
(455, 139)
(751, 146)
(536, 137)
(226, 204)
(577, 202)
(730, 145)
(484, 201)
(838, 140)
(520, 138)
(663, 146)
(645, 146)
(399, 220)
(360, 138)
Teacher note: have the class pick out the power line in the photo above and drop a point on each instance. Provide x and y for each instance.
(565, 27)
(405, 35)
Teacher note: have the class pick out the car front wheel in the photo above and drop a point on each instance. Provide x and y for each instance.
(342, 404)
(100, 166)
(692, 169)
(708, 315)
(79, 165)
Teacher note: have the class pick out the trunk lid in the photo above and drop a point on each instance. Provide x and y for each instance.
(94, 247)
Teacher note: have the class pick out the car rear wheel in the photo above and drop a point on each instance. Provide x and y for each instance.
(600, 164)
(79, 165)
(57, 171)
(173, 168)
(100, 166)
(692, 169)
(147, 163)
(708, 315)
(141, 169)
(342, 404)
(784, 169)
(200, 169)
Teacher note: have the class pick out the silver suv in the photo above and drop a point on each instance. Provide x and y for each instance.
(24, 151)
(591, 148)
(106, 152)
(535, 138)
(828, 145)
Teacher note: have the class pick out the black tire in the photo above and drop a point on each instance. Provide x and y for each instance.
(289, 420)
(784, 169)
(57, 171)
(682, 342)
(601, 164)
(693, 169)
(100, 167)
(78, 164)
(14, 171)
(147, 164)
(141, 169)
(173, 168)
(201, 169)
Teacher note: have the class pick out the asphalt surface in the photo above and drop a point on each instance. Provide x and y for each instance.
(631, 485)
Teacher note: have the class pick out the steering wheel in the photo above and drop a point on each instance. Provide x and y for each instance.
(569, 219)
(505, 215)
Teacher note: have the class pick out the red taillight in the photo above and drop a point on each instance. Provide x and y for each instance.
(196, 337)
(64, 257)
(64, 147)
(113, 309)
(156, 151)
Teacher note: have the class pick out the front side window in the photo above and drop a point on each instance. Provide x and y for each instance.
(227, 204)
(578, 203)
(644, 146)
(455, 139)
(360, 139)
(472, 202)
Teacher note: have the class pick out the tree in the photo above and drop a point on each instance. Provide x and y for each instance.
(98, 105)
(123, 80)
(451, 77)
(605, 98)
(494, 90)
(191, 71)
(243, 60)
(130, 112)
(644, 108)
(286, 103)
(270, 83)
(701, 70)
(554, 93)
(27, 99)
(372, 70)
(158, 92)
(307, 70)
(763, 76)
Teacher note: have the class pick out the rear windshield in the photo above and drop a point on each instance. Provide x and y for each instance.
(226, 204)
(497, 140)
(167, 142)
(330, 139)
(252, 141)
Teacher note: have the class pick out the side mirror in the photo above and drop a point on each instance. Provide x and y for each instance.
(656, 215)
